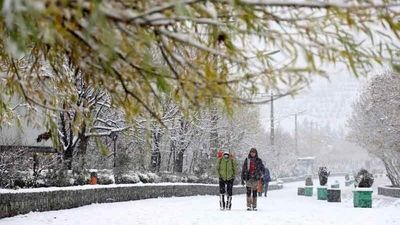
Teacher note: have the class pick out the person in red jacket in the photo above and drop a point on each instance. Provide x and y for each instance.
(252, 172)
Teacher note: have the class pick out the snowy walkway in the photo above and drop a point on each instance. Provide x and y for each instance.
(282, 207)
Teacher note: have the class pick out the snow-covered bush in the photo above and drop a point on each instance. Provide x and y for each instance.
(187, 178)
(173, 178)
(57, 177)
(136, 177)
(128, 178)
(132, 177)
(104, 176)
(81, 179)
(144, 178)
(192, 179)
(14, 164)
(105, 179)
(209, 180)
(153, 178)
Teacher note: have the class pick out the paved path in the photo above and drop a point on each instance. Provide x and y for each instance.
(281, 207)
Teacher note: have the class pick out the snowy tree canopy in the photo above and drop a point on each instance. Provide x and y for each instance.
(375, 123)
(196, 51)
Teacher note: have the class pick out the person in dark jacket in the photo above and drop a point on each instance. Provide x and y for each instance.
(226, 169)
(252, 172)
(267, 179)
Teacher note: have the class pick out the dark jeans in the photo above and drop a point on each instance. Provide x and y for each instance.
(225, 185)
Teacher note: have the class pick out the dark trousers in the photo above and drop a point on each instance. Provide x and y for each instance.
(249, 190)
(266, 188)
(225, 186)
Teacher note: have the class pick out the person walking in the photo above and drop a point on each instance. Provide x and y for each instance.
(252, 172)
(267, 179)
(226, 169)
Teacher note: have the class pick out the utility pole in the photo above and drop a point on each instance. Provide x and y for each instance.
(296, 134)
(272, 134)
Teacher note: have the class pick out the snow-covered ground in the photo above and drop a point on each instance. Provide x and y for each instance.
(281, 207)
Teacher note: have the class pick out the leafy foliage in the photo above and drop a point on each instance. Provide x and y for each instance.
(195, 51)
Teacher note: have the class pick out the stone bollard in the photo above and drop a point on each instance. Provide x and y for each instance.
(322, 193)
(362, 198)
(335, 185)
(334, 195)
(308, 191)
(300, 191)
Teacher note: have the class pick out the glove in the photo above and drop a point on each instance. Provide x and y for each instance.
(243, 183)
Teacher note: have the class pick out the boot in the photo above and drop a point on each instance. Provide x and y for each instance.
(229, 203)
(222, 201)
(255, 203)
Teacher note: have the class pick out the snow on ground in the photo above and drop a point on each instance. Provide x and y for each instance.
(281, 207)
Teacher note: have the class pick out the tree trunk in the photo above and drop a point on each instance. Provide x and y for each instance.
(82, 147)
(171, 152)
(156, 155)
(214, 145)
(142, 159)
(178, 163)
(194, 158)
(391, 161)
(67, 158)
(182, 145)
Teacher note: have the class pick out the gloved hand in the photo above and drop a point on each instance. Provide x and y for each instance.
(243, 183)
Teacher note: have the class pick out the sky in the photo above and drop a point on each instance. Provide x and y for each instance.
(325, 101)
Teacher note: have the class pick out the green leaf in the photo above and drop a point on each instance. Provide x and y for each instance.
(162, 84)
(181, 10)
(310, 59)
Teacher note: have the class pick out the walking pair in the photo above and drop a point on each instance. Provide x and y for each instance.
(252, 172)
